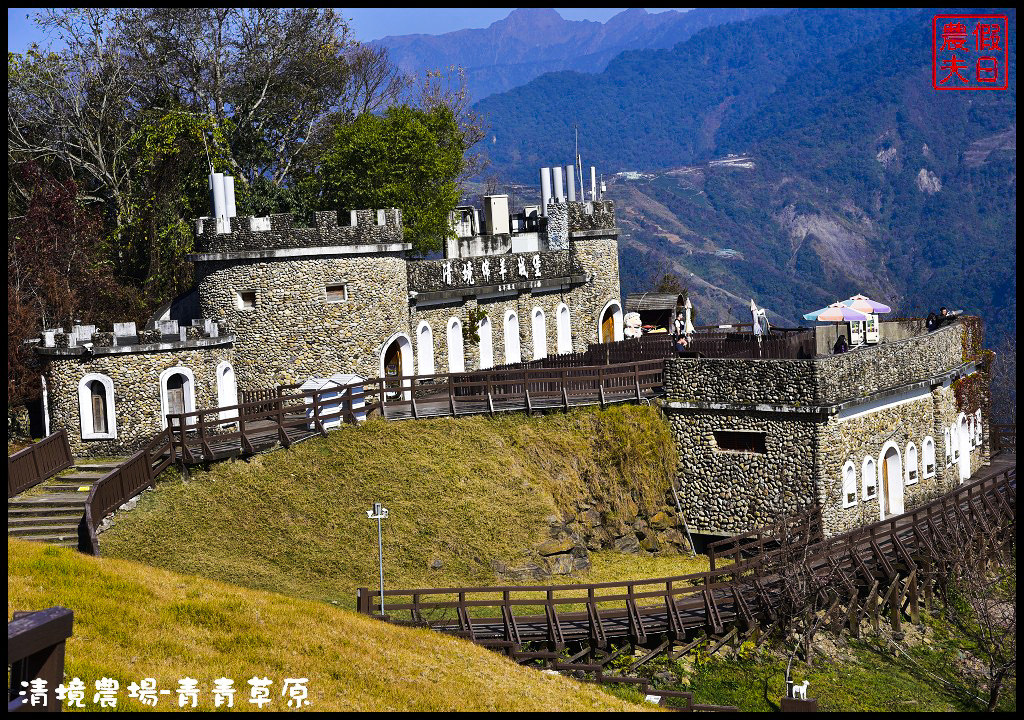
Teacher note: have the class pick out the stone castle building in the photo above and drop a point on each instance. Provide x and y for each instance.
(276, 303)
(856, 437)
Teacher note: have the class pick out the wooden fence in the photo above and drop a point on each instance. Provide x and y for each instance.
(1004, 438)
(743, 593)
(38, 462)
(210, 434)
(123, 483)
(35, 649)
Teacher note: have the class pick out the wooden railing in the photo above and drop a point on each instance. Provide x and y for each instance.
(38, 462)
(35, 649)
(208, 434)
(598, 612)
(1004, 438)
(732, 549)
(123, 483)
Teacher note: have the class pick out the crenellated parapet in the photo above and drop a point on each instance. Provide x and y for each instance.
(127, 338)
(280, 232)
(588, 216)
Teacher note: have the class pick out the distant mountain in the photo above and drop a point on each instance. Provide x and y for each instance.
(533, 41)
(850, 172)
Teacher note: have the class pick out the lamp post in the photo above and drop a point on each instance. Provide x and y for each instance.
(378, 513)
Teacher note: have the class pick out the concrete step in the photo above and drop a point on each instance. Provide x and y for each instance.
(96, 467)
(21, 519)
(83, 478)
(58, 532)
(55, 499)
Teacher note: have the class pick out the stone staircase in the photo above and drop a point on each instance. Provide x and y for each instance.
(52, 511)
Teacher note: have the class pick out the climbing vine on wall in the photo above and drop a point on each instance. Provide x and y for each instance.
(471, 328)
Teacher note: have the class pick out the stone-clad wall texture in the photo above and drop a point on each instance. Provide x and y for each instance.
(283, 233)
(136, 393)
(822, 381)
(293, 333)
(599, 256)
(724, 491)
(857, 438)
(741, 382)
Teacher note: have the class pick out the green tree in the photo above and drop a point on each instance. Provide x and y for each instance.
(406, 158)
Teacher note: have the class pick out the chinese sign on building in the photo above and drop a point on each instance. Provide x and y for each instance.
(970, 52)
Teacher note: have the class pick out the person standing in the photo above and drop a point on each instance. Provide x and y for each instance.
(679, 333)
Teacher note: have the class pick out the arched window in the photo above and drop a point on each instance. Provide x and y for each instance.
(425, 348)
(456, 358)
(869, 478)
(954, 442)
(977, 428)
(96, 407)
(564, 339)
(928, 456)
(227, 390)
(910, 466)
(486, 343)
(177, 394)
(540, 334)
(849, 484)
(947, 448)
(512, 354)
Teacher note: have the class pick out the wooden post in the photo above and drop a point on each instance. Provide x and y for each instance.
(911, 590)
(893, 597)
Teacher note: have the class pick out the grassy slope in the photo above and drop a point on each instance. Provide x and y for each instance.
(133, 621)
(467, 492)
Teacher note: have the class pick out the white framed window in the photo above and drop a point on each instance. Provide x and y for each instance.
(869, 478)
(512, 352)
(177, 394)
(977, 428)
(540, 333)
(928, 456)
(564, 325)
(486, 343)
(245, 299)
(425, 348)
(910, 468)
(849, 484)
(96, 407)
(947, 448)
(456, 356)
(227, 390)
(336, 293)
(954, 443)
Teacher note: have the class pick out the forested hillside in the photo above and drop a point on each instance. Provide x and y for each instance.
(860, 176)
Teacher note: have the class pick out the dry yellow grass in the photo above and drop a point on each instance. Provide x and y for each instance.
(133, 621)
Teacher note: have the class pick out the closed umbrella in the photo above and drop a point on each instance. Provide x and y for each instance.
(688, 329)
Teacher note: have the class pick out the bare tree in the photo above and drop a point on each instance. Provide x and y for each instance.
(449, 88)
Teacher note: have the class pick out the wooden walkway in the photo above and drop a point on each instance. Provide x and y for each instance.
(888, 564)
(243, 429)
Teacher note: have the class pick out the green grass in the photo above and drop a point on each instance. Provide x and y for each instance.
(469, 492)
(133, 621)
(860, 675)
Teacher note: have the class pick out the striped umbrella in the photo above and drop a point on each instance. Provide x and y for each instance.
(866, 305)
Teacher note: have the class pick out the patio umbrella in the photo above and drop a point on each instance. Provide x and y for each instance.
(688, 325)
(757, 324)
(866, 305)
(837, 312)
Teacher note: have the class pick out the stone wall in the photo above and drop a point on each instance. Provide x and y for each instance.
(278, 232)
(292, 332)
(821, 381)
(725, 491)
(137, 406)
(599, 258)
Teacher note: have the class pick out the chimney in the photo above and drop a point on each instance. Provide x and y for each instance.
(570, 173)
(593, 184)
(545, 190)
(559, 193)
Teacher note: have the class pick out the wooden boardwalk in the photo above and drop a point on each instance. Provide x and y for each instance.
(243, 429)
(888, 564)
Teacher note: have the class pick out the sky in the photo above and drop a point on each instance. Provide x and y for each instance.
(368, 23)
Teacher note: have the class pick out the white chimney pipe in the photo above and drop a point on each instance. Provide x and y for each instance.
(570, 174)
(559, 193)
(229, 196)
(545, 190)
(593, 184)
